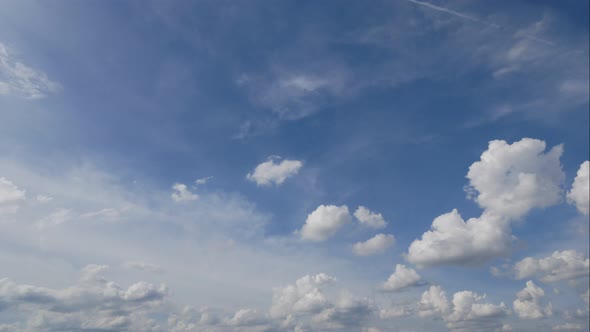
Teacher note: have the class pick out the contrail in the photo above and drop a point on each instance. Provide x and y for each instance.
(475, 19)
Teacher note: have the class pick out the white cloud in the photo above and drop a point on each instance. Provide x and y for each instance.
(91, 303)
(20, 80)
(561, 265)
(511, 179)
(304, 296)
(368, 218)
(403, 277)
(579, 194)
(508, 181)
(528, 302)
(324, 222)
(270, 172)
(466, 312)
(10, 196)
(454, 241)
(182, 193)
(433, 302)
(375, 245)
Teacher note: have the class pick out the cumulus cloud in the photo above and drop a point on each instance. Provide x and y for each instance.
(452, 240)
(304, 296)
(270, 172)
(375, 245)
(368, 218)
(181, 193)
(21, 80)
(10, 196)
(579, 194)
(324, 222)
(528, 302)
(560, 265)
(507, 182)
(403, 277)
(466, 312)
(92, 303)
(511, 179)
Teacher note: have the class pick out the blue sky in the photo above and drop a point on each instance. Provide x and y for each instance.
(201, 166)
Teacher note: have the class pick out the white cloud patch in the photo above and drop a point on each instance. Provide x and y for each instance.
(10, 196)
(579, 194)
(43, 199)
(303, 296)
(511, 179)
(324, 222)
(528, 302)
(403, 277)
(181, 193)
(93, 303)
(508, 181)
(455, 241)
(271, 172)
(560, 265)
(21, 80)
(375, 245)
(466, 312)
(368, 218)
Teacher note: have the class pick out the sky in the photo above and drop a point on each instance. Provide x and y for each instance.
(256, 166)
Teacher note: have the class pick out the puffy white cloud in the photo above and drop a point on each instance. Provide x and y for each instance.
(579, 194)
(528, 302)
(181, 193)
(511, 179)
(92, 303)
(455, 241)
(368, 218)
(10, 195)
(433, 302)
(466, 312)
(508, 181)
(561, 265)
(375, 245)
(21, 80)
(403, 277)
(270, 172)
(324, 222)
(303, 296)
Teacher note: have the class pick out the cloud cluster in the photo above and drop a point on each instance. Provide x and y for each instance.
(560, 265)
(528, 303)
(507, 182)
(271, 172)
(93, 303)
(579, 194)
(466, 311)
